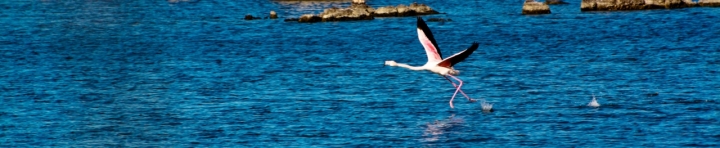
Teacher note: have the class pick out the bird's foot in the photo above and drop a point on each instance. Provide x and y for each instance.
(472, 100)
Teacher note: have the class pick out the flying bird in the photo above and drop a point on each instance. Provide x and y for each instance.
(436, 63)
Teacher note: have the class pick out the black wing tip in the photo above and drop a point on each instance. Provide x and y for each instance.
(474, 46)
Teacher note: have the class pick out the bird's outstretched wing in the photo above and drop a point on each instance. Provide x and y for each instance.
(428, 41)
(449, 62)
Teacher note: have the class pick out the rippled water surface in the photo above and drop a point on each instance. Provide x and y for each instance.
(195, 74)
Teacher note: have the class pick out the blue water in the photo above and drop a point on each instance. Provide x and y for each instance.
(195, 74)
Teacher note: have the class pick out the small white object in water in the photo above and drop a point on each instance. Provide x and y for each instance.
(594, 102)
(487, 107)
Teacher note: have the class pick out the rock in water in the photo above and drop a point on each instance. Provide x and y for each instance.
(709, 3)
(250, 17)
(356, 11)
(422, 9)
(309, 18)
(405, 11)
(387, 11)
(401, 10)
(332, 14)
(533, 7)
(663, 4)
(292, 20)
(596, 5)
(612, 5)
(273, 15)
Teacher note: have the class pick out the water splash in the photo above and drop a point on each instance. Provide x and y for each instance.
(594, 102)
(486, 107)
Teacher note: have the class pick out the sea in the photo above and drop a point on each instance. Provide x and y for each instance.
(194, 73)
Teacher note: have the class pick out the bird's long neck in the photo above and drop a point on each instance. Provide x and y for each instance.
(409, 67)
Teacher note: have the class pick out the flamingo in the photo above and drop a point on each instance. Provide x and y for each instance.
(435, 63)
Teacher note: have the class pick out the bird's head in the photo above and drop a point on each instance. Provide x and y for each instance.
(391, 63)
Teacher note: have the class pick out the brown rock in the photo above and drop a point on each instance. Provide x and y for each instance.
(355, 12)
(532, 7)
(660, 4)
(422, 9)
(405, 11)
(309, 18)
(709, 3)
(602, 5)
(611, 5)
(401, 10)
(358, 2)
(386, 11)
(292, 20)
(273, 15)
(358, 10)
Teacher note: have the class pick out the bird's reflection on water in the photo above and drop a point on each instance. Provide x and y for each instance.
(434, 130)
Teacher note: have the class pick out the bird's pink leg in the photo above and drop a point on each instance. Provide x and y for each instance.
(456, 91)
(463, 93)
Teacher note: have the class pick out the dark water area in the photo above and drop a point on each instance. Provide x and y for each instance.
(195, 74)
